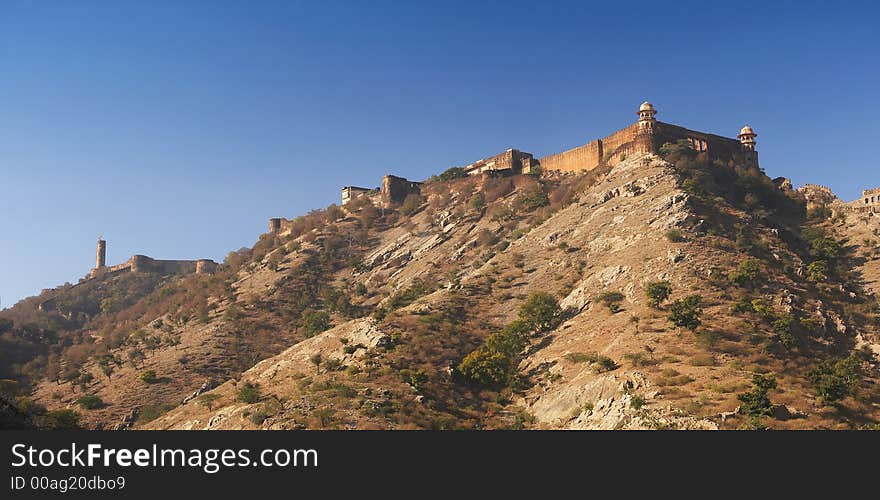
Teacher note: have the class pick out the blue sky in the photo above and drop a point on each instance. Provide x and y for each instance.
(176, 129)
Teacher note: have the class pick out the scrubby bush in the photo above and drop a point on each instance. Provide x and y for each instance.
(249, 393)
(495, 363)
(531, 199)
(636, 402)
(477, 201)
(487, 367)
(658, 292)
(834, 380)
(611, 300)
(89, 402)
(207, 400)
(686, 312)
(452, 173)
(411, 204)
(149, 377)
(756, 403)
(60, 420)
(541, 312)
(315, 322)
(747, 274)
(821, 246)
(782, 328)
(417, 379)
(406, 297)
(674, 235)
(817, 271)
(604, 364)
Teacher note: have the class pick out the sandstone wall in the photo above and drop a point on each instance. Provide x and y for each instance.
(626, 142)
(584, 157)
(396, 189)
(512, 160)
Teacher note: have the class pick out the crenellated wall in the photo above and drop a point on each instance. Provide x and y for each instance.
(586, 157)
(144, 264)
(510, 161)
(396, 189)
(629, 141)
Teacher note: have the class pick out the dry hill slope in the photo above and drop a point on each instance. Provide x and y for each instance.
(440, 282)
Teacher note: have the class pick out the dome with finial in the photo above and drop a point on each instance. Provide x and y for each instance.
(646, 106)
(746, 130)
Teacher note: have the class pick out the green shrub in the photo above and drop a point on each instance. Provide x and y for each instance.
(477, 201)
(611, 300)
(763, 309)
(406, 297)
(834, 380)
(541, 312)
(743, 304)
(487, 367)
(821, 246)
(150, 412)
(582, 357)
(60, 420)
(747, 274)
(756, 403)
(249, 393)
(686, 312)
(207, 400)
(149, 377)
(782, 327)
(658, 292)
(604, 364)
(674, 235)
(531, 200)
(411, 204)
(817, 271)
(636, 402)
(332, 365)
(417, 379)
(452, 173)
(89, 402)
(315, 322)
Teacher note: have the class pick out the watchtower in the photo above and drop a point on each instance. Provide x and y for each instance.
(747, 139)
(647, 126)
(101, 254)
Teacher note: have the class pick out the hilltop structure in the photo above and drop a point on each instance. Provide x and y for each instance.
(144, 264)
(822, 198)
(645, 135)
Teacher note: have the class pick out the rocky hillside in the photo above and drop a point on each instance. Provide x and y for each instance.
(515, 303)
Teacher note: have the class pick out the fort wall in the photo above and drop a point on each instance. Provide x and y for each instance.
(586, 157)
(631, 140)
(870, 198)
(144, 264)
(396, 189)
(512, 160)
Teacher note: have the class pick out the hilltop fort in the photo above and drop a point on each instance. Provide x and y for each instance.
(646, 135)
(144, 264)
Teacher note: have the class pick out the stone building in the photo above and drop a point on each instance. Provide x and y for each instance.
(817, 197)
(396, 189)
(870, 199)
(144, 264)
(646, 135)
(511, 161)
(349, 193)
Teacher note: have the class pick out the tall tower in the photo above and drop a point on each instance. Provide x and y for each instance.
(101, 254)
(747, 139)
(647, 127)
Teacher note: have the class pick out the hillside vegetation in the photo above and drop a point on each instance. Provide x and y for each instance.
(665, 293)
